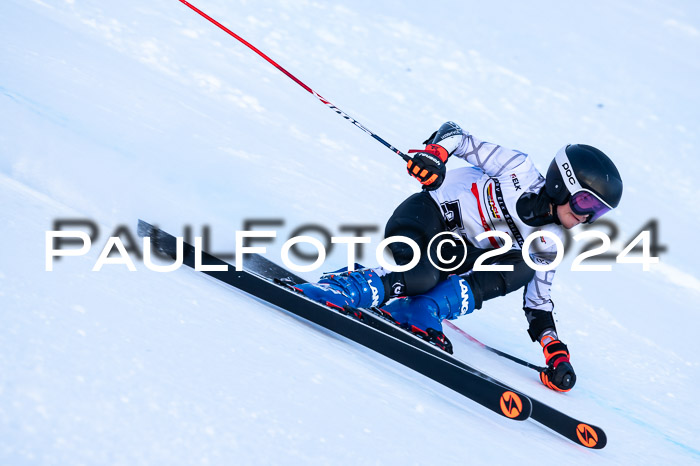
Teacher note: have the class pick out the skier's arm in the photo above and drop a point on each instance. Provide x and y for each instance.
(428, 165)
(559, 374)
(537, 292)
(491, 158)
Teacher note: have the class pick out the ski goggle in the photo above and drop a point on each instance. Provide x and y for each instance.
(585, 202)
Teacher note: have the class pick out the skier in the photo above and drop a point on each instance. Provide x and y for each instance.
(502, 191)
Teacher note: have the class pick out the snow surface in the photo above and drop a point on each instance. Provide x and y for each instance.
(115, 111)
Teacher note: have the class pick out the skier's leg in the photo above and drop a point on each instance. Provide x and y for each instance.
(360, 288)
(428, 295)
(487, 285)
(461, 294)
(417, 218)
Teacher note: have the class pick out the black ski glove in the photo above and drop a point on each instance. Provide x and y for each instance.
(428, 165)
(559, 374)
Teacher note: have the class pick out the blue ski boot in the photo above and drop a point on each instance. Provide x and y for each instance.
(360, 288)
(423, 314)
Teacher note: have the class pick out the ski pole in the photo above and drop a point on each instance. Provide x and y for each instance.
(296, 80)
(494, 350)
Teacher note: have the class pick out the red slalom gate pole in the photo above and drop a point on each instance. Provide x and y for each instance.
(296, 80)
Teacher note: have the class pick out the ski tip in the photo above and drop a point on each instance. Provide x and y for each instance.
(515, 406)
(144, 229)
(590, 436)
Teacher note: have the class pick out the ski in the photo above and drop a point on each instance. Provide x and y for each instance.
(587, 435)
(464, 380)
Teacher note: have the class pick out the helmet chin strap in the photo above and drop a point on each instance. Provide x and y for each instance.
(555, 214)
(537, 209)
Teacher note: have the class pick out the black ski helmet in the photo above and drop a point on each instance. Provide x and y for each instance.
(578, 167)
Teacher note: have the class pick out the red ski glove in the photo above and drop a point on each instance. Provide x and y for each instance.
(428, 165)
(559, 374)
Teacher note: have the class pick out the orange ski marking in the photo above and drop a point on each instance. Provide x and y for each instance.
(511, 404)
(587, 435)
